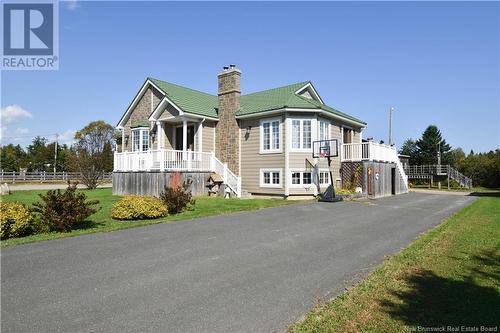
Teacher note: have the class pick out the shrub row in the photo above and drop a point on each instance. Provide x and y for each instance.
(57, 211)
(172, 200)
(64, 211)
(137, 207)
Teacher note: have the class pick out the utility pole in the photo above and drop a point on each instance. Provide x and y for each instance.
(439, 153)
(55, 153)
(391, 110)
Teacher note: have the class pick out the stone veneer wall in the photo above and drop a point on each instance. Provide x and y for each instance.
(142, 111)
(227, 142)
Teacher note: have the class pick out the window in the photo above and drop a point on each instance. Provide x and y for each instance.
(270, 178)
(301, 178)
(306, 178)
(296, 134)
(301, 134)
(270, 135)
(140, 139)
(145, 140)
(324, 130)
(276, 178)
(324, 177)
(136, 140)
(306, 131)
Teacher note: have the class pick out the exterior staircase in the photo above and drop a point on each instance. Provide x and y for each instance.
(429, 171)
(230, 179)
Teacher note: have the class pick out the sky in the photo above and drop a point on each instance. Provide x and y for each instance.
(434, 62)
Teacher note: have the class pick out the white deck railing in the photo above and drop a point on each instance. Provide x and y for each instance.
(163, 159)
(176, 160)
(372, 151)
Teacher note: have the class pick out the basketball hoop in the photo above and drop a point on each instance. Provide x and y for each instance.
(327, 149)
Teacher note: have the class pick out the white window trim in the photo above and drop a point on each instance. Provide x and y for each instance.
(328, 173)
(328, 128)
(279, 171)
(261, 129)
(301, 185)
(314, 133)
(141, 131)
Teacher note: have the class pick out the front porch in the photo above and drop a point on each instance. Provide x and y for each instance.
(168, 160)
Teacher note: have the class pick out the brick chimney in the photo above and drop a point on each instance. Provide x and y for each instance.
(227, 140)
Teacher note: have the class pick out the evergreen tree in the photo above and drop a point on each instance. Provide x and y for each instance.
(409, 148)
(12, 158)
(429, 145)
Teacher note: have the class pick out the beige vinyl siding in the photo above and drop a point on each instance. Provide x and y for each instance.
(356, 136)
(169, 112)
(208, 136)
(252, 161)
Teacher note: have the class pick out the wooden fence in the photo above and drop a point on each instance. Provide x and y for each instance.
(42, 176)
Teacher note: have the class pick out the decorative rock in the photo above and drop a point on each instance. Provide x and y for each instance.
(4, 189)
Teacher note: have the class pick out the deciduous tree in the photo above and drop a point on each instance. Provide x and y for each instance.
(92, 152)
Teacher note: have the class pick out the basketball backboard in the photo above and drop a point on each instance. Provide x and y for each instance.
(325, 148)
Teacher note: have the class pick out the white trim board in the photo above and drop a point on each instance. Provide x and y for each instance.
(271, 170)
(311, 88)
(261, 136)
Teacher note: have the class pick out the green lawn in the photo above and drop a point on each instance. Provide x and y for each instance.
(101, 221)
(449, 276)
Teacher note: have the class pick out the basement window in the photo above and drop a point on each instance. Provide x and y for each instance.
(301, 178)
(270, 177)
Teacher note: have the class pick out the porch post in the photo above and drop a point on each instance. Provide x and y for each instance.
(123, 140)
(199, 136)
(184, 135)
(159, 135)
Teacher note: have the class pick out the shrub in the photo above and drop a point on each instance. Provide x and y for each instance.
(178, 197)
(15, 220)
(135, 207)
(64, 210)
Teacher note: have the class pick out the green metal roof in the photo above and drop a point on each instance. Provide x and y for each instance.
(139, 123)
(189, 100)
(197, 102)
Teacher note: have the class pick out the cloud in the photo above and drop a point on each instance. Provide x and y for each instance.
(67, 138)
(22, 130)
(72, 4)
(13, 113)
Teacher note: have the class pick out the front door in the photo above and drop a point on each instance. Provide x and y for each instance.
(190, 138)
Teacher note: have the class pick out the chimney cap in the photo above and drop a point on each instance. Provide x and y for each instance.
(232, 66)
(225, 68)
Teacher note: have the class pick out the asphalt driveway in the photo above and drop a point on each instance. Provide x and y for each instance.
(247, 272)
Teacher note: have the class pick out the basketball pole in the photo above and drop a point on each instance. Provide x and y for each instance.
(331, 174)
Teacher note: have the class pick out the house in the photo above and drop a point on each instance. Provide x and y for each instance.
(259, 143)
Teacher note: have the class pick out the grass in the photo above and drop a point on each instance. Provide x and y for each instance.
(102, 221)
(448, 277)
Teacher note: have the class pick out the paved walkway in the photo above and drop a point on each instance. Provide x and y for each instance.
(247, 272)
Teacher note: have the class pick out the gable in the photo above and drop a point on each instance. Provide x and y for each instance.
(308, 91)
(143, 104)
